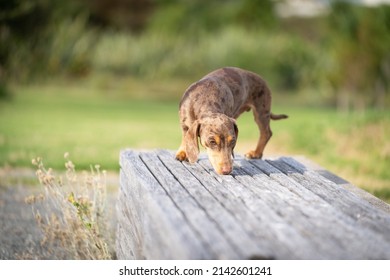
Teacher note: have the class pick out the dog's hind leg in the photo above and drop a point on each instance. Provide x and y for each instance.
(262, 114)
(262, 121)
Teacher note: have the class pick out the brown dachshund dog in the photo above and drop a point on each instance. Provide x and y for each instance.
(208, 110)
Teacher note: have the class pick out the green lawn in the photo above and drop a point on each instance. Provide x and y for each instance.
(91, 129)
(93, 124)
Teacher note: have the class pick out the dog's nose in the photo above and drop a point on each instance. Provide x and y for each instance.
(226, 170)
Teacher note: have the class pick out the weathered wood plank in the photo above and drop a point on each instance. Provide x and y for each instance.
(333, 222)
(279, 209)
(152, 230)
(270, 227)
(357, 208)
(294, 212)
(200, 220)
(326, 234)
(227, 211)
(376, 202)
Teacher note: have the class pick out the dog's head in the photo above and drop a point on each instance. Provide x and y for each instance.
(218, 134)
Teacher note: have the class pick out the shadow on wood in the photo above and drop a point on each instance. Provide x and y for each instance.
(285, 208)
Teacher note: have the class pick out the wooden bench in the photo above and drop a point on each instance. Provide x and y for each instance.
(284, 208)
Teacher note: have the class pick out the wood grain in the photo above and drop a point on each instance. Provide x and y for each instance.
(284, 208)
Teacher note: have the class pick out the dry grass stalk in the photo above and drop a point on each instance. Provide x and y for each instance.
(74, 219)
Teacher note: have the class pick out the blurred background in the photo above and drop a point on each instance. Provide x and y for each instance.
(92, 77)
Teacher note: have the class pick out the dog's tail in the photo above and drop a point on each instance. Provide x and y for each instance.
(278, 117)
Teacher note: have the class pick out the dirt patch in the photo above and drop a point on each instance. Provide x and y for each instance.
(20, 237)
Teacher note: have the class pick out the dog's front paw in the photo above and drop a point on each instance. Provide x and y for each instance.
(181, 155)
(253, 155)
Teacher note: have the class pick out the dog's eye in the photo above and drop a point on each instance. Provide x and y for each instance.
(212, 143)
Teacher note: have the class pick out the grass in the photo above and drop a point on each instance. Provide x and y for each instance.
(51, 122)
(94, 120)
(71, 212)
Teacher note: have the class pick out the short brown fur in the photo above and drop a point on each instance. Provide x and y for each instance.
(209, 108)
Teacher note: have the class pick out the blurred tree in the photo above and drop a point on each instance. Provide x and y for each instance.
(29, 30)
(293, 64)
(360, 42)
(39, 37)
(130, 15)
(257, 14)
(16, 19)
(197, 16)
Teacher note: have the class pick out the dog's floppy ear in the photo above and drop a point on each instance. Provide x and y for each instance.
(235, 132)
(192, 145)
(235, 128)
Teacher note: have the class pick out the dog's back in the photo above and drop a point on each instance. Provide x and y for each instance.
(226, 90)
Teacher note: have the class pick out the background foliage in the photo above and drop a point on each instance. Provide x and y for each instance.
(73, 73)
(344, 52)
